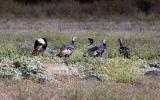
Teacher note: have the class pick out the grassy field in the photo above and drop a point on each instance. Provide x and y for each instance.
(124, 83)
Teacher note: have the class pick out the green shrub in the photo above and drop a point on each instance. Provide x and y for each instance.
(26, 67)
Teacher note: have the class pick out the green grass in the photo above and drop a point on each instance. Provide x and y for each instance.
(126, 83)
(145, 47)
(117, 68)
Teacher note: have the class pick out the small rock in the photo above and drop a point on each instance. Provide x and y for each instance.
(98, 77)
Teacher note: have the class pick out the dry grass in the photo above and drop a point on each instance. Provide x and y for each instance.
(74, 89)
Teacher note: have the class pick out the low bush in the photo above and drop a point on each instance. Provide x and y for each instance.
(26, 67)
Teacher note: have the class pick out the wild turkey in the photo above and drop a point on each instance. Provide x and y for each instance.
(124, 51)
(67, 49)
(40, 46)
(90, 44)
(97, 51)
(91, 41)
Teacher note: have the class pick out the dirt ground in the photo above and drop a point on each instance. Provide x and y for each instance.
(55, 25)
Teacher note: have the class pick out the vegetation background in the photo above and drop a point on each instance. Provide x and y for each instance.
(110, 77)
(81, 9)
